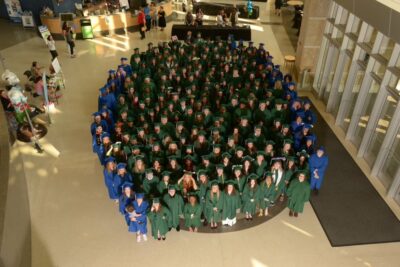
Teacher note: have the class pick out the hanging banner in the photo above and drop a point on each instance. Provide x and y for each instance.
(44, 32)
(14, 10)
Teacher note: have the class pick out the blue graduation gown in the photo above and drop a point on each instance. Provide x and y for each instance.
(118, 181)
(94, 125)
(125, 201)
(109, 180)
(310, 117)
(320, 164)
(140, 225)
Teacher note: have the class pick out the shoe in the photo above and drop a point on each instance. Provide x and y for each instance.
(178, 228)
(145, 237)
(159, 238)
(316, 192)
(138, 239)
(251, 218)
(163, 238)
(205, 223)
(296, 214)
(290, 213)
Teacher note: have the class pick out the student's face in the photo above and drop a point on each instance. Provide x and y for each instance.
(320, 153)
(127, 191)
(171, 192)
(302, 177)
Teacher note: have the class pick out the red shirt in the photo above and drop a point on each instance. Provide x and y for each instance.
(141, 18)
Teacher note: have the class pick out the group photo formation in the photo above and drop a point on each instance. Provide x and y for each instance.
(193, 133)
(204, 131)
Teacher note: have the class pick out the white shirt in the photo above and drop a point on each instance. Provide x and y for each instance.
(220, 21)
(51, 45)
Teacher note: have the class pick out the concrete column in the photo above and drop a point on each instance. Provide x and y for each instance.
(312, 29)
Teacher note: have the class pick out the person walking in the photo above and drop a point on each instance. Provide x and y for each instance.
(147, 14)
(318, 163)
(70, 41)
(51, 44)
(142, 23)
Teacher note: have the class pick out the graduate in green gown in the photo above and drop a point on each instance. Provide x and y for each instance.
(202, 191)
(192, 213)
(298, 194)
(150, 184)
(160, 218)
(175, 204)
(231, 204)
(162, 186)
(251, 196)
(214, 199)
(267, 194)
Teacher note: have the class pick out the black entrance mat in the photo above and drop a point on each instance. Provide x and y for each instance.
(348, 207)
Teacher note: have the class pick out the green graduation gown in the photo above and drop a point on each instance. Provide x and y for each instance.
(213, 201)
(267, 195)
(298, 193)
(251, 197)
(192, 215)
(230, 204)
(175, 205)
(160, 222)
(150, 186)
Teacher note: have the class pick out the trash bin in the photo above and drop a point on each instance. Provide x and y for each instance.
(87, 29)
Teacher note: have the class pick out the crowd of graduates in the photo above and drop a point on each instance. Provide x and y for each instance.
(202, 130)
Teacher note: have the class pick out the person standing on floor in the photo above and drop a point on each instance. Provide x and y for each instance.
(234, 17)
(199, 17)
(70, 41)
(278, 6)
(51, 44)
(298, 194)
(147, 14)
(142, 23)
(162, 23)
(318, 163)
(154, 16)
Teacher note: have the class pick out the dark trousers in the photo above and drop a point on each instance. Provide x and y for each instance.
(148, 24)
(142, 33)
(71, 47)
(54, 54)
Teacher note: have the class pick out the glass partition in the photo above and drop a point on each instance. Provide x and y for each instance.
(390, 166)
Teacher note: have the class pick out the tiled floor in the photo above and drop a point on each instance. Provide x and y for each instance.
(74, 223)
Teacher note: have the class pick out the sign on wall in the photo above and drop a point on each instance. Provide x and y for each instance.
(14, 10)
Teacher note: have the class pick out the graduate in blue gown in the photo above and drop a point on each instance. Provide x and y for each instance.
(138, 222)
(108, 173)
(309, 115)
(106, 99)
(120, 178)
(127, 198)
(98, 120)
(318, 163)
(126, 67)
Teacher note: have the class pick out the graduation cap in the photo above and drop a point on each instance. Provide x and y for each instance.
(237, 167)
(219, 166)
(291, 158)
(189, 157)
(311, 138)
(307, 126)
(117, 145)
(104, 135)
(202, 133)
(287, 141)
(247, 158)
(206, 157)
(172, 187)
(239, 148)
(126, 184)
(321, 148)
(111, 71)
(172, 158)
(231, 182)
(139, 195)
(278, 159)
(121, 166)
(95, 114)
(260, 153)
(156, 200)
(213, 182)
(279, 101)
(110, 159)
(123, 58)
(249, 140)
(149, 170)
(285, 126)
(252, 176)
(268, 173)
(226, 155)
(166, 173)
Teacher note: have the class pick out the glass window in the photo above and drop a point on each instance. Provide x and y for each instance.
(386, 47)
(351, 46)
(366, 112)
(379, 132)
(350, 103)
(331, 74)
(370, 37)
(342, 84)
(390, 166)
(356, 27)
(379, 69)
(398, 62)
